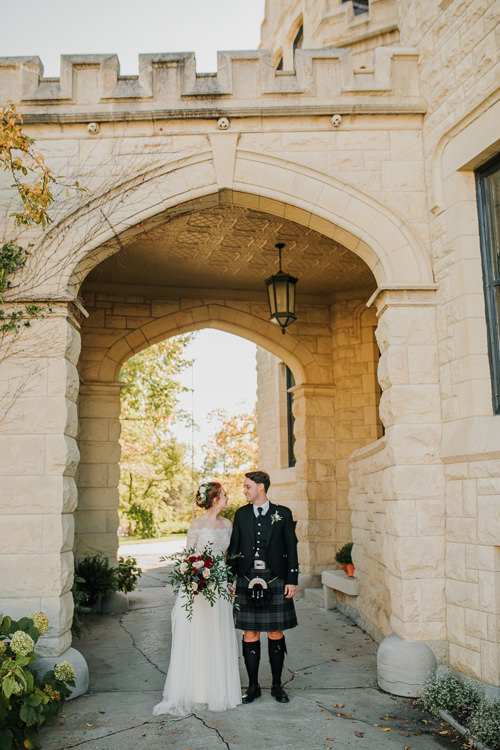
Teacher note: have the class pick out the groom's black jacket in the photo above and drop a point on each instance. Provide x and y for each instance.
(281, 546)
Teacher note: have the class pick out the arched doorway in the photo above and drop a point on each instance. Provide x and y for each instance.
(206, 268)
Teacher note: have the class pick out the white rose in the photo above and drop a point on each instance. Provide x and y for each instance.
(194, 587)
(183, 567)
(198, 564)
(206, 573)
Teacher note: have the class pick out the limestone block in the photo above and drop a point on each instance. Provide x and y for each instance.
(61, 455)
(465, 660)
(461, 529)
(24, 377)
(405, 598)
(393, 367)
(432, 593)
(487, 591)
(62, 379)
(403, 666)
(95, 452)
(22, 495)
(41, 573)
(430, 517)
(58, 532)
(462, 594)
(413, 482)
(410, 404)
(92, 475)
(488, 519)
(93, 429)
(90, 521)
(20, 606)
(59, 610)
(20, 532)
(476, 623)
(70, 494)
(22, 455)
(419, 557)
(97, 498)
(100, 405)
(455, 624)
(401, 518)
(455, 561)
(490, 669)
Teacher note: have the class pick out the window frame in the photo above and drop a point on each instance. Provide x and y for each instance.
(490, 281)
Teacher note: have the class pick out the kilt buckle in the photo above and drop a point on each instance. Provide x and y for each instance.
(259, 565)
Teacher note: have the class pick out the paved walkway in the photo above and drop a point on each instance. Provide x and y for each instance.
(330, 676)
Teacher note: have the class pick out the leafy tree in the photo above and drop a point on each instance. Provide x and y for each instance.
(230, 452)
(155, 477)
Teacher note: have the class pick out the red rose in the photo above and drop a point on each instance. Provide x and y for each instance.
(192, 558)
(208, 562)
(202, 584)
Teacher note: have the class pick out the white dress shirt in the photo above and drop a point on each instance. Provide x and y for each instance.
(265, 508)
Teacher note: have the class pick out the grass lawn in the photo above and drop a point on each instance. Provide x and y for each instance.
(135, 540)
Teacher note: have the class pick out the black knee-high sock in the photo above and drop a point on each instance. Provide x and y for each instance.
(277, 651)
(251, 655)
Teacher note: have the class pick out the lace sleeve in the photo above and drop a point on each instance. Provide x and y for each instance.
(192, 537)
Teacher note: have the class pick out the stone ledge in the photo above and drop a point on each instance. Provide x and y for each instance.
(338, 580)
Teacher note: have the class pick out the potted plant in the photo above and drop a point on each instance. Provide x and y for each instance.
(343, 557)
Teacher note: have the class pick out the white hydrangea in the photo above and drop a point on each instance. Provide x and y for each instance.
(41, 622)
(64, 671)
(17, 689)
(21, 643)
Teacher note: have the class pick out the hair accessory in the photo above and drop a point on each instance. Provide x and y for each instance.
(204, 491)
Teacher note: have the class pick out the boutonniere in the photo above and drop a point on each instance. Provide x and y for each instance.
(275, 517)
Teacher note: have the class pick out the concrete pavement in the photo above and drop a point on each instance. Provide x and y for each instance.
(330, 676)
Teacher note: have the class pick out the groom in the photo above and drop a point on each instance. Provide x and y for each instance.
(267, 567)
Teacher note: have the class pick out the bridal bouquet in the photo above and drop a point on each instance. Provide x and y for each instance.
(201, 573)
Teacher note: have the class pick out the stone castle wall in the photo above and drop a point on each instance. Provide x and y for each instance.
(392, 182)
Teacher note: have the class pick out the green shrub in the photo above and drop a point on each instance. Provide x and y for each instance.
(128, 574)
(26, 700)
(343, 556)
(484, 723)
(449, 693)
(79, 607)
(97, 578)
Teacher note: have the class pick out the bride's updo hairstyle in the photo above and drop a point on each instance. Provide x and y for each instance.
(207, 494)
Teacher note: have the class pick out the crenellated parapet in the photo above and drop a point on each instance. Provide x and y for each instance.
(245, 83)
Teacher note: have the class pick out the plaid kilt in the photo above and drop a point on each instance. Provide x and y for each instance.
(277, 614)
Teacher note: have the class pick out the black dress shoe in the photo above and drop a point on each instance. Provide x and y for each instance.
(278, 692)
(252, 692)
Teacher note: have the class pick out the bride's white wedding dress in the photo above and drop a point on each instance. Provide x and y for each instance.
(203, 671)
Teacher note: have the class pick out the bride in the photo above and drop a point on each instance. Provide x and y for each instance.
(203, 671)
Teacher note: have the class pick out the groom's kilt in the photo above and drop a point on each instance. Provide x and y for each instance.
(277, 614)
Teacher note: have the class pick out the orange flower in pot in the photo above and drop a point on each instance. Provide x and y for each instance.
(343, 557)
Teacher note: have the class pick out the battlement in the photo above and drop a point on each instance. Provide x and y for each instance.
(245, 83)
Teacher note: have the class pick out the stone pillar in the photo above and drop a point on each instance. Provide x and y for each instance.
(38, 460)
(314, 506)
(413, 503)
(96, 518)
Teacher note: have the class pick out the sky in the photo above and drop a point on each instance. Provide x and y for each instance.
(49, 28)
(223, 376)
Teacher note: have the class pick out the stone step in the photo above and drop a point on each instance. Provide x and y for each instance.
(315, 596)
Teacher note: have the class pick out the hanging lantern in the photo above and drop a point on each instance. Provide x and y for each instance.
(281, 295)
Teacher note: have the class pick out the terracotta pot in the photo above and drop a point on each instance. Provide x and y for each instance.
(349, 569)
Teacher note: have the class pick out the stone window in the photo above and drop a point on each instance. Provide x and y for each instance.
(358, 6)
(299, 39)
(488, 200)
